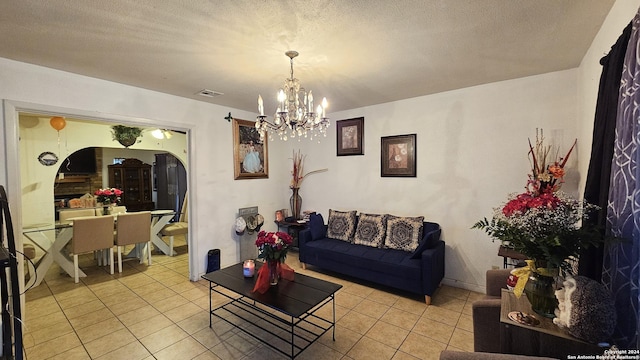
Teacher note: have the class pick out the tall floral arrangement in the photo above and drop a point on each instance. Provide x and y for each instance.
(108, 196)
(297, 173)
(543, 223)
(273, 246)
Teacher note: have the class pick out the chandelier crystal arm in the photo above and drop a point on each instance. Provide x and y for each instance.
(295, 116)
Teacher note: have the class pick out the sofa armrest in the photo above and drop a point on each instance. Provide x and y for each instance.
(486, 325)
(496, 280)
(304, 237)
(461, 355)
(432, 264)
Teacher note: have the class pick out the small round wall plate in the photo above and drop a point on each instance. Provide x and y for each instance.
(48, 158)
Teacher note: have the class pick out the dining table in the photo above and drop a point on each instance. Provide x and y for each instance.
(51, 239)
(160, 218)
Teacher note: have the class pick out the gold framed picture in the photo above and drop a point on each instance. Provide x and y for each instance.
(250, 156)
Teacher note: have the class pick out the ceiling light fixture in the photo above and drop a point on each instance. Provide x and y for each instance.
(295, 116)
(161, 134)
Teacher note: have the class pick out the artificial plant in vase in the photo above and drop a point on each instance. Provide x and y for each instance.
(544, 224)
(297, 175)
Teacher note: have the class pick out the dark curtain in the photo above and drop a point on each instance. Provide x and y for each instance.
(599, 174)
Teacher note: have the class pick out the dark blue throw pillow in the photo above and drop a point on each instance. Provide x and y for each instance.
(316, 226)
(428, 240)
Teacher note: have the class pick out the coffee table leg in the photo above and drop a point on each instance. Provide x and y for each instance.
(333, 301)
(292, 337)
(210, 290)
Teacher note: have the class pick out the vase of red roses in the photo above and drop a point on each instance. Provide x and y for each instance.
(272, 248)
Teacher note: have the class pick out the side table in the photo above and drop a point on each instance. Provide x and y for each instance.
(507, 253)
(545, 339)
(292, 228)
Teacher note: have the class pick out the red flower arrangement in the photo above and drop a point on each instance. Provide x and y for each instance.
(273, 246)
(108, 196)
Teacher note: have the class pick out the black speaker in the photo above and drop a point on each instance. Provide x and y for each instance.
(213, 260)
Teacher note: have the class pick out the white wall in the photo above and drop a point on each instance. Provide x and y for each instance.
(471, 152)
(216, 195)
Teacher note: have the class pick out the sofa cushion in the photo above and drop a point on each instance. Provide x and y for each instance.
(429, 239)
(316, 226)
(403, 233)
(341, 225)
(371, 230)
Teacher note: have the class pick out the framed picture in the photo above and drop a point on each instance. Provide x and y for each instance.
(350, 137)
(398, 156)
(250, 156)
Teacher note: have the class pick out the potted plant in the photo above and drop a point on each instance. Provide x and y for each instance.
(125, 135)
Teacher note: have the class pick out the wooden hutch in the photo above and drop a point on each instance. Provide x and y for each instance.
(134, 178)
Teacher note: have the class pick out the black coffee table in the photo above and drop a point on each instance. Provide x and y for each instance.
(282, 317)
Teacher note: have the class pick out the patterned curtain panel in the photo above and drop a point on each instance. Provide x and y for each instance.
(621, 269)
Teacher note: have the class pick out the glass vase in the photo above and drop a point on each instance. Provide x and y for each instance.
(273, 272)
(540, 291)
(296, 203)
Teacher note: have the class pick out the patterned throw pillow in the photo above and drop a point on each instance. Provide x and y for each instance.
(403, 233)
(371, 230)
(341, 225)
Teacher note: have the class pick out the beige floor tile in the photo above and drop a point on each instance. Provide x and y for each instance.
(131, 351)
(400, 318)
(371, 308)
(138, 315)
(433, 329)
(422, 348)
(127, 305)
(91, 318)
(383, 297)
(318, 351)
(109, 343)
(77, 353)
(83, 309)
(401, 355)
(358, 289)
(465, 323)
(195, 323)
(46, 321)
(169, 303)
(150, 288)
(161, 339)
(411, 305)
(158, 295)
(454, 292)
(185, 311)
(368, 348)
(186, 348)
(41, 307)
(53, 347)
(149, 326)
(207, 337)
(462, 339)
(357, 322)
(449, 303)
(40, 335)
(100, 329)
(387, 334)
(348, 300)
(442, 315)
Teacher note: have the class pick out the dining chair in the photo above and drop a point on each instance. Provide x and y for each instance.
(180, 227)
(133, 228)
(65, 215)
(91, 233)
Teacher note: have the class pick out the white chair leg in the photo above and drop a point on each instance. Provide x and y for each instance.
(119, 259)
(111, 260)
(149, 252)
(76, 275)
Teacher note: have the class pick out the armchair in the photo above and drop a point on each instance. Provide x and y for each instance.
(486, 313)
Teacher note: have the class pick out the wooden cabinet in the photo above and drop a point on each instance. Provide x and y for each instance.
(134, 178)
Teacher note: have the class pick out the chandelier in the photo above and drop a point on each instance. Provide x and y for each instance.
(295, 116)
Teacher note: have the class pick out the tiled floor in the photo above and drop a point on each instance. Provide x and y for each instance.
(157, 313)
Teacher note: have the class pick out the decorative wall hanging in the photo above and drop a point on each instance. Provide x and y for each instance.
(398, 156)
(48, 158)
(250, 156)
(350, 137)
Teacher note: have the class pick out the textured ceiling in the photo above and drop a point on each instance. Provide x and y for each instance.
(354, 52)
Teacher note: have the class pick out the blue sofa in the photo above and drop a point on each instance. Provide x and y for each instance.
(418, 272)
